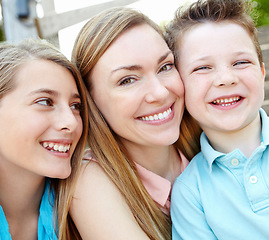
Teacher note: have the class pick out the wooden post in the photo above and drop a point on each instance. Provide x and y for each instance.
(51, 23)
(49, 9)
(18, 28)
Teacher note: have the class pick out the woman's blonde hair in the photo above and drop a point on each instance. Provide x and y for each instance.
(93, 40)
(12, 56)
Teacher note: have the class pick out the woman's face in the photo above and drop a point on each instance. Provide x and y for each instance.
(138, 89)
(40, 121)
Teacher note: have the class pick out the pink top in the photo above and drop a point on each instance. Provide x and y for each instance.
(158, 187)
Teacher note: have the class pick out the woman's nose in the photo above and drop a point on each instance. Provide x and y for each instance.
(156, 90)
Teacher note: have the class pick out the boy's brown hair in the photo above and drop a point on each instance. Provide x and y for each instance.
(236, 11)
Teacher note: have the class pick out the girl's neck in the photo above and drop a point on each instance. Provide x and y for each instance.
(246, 140)
(20, 198)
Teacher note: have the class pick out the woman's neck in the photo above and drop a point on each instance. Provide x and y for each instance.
(161, 160)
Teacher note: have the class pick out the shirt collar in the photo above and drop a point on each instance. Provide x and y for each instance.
(265, 127)
(211, 155)
(46, 214)
(208, 151)
(158, 187)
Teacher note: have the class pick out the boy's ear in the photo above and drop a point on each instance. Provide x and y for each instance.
(263, 71)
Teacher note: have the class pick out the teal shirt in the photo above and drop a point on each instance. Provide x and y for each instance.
(223, 196)
(45, 221)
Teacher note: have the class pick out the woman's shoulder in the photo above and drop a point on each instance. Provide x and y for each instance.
(96, 199)
(89, 155)
(92, 176)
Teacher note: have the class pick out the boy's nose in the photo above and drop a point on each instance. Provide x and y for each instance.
(226, 77)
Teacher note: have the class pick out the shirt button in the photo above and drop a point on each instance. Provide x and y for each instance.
(253, 179)
(235, 162)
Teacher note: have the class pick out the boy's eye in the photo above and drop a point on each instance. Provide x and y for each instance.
(127, 80)
(240, 63)
(201, 68)
(166, 67)
(45, 102)
(76, 106)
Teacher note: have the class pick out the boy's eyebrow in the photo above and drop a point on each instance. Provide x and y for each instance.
(138, 67)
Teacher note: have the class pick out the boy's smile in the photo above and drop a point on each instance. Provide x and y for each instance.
(224, 82)
(225, 102)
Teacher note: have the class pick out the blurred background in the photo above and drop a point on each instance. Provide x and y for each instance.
(59, 21)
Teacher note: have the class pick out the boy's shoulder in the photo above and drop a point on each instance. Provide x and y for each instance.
(198, 165)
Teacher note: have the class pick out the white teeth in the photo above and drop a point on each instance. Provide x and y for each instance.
(226, 101)
(56, 147)
(158, 116)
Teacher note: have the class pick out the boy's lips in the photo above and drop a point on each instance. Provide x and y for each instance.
(226, 101)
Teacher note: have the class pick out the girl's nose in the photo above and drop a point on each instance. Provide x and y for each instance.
(67, 120)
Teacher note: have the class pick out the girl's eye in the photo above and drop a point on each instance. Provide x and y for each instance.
(166, 67)
(76, 106)
(128, 80)
(45, 101)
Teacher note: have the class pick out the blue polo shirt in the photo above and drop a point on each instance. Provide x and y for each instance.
(45, 222)
(223, 196)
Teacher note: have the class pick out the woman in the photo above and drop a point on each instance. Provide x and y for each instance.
(136, 102)
(41, 139)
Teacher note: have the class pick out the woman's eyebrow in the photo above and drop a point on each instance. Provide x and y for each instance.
(138, 67)
(128, 67)
(163, 57)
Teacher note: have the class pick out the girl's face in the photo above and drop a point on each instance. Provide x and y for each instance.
(40, 121)
(138, 90)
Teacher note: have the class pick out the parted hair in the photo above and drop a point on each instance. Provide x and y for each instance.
(93, 40)
(236, 11)
(12, 56)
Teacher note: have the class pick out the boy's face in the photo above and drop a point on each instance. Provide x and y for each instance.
(224, 82)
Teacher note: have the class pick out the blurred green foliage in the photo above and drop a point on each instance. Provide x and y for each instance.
(2, 37)
(261, 12)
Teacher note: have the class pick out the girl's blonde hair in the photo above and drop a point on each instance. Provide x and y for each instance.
(12, 56)
(93, 40)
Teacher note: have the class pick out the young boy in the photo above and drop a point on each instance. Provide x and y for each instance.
(224, 192)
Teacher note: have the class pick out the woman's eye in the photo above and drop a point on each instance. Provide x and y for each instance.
(126, 81)
(76, 106)
(166, 67)
(45, 102)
